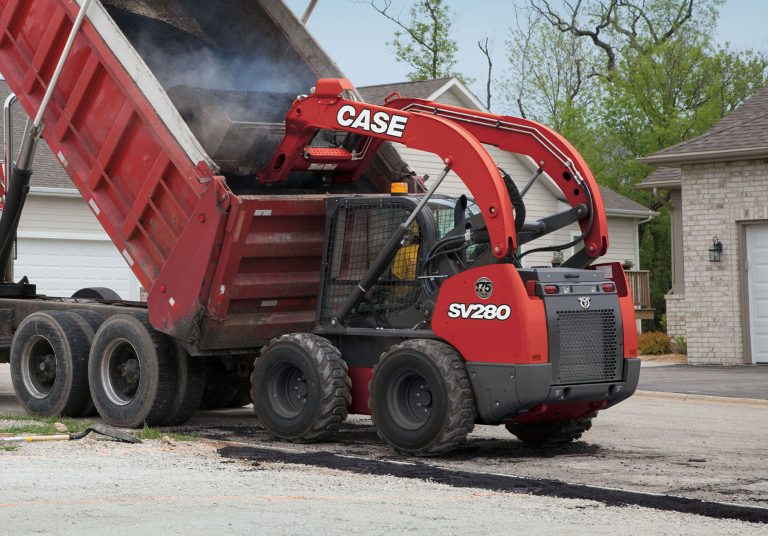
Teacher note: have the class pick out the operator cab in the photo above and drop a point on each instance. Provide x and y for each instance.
(442, 241)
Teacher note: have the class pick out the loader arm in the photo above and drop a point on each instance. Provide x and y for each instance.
(326, 109)
(549, 150)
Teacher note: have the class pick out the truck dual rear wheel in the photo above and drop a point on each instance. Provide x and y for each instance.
(132, 372)
(49, 364)
(190, 386)
(300, 387)
(551, 432)
(421, 398)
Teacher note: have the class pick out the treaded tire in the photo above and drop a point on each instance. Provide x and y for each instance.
(300, 388)
(242, 398)
(551, 432)
(97, 293)
(90, 322)
(130, 339)
(413, 372)
(49, 364)
(190, 387)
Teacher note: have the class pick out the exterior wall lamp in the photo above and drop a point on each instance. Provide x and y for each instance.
(715, 250)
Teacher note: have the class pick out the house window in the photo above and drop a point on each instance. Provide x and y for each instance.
(576, 247)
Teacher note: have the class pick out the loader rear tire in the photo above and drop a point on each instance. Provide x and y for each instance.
(551, 432)
(49, 364)
(421, 398)
(132, 372)
(300, 388)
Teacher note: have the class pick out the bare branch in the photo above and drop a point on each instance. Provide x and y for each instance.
(543, 8)
(485, 48)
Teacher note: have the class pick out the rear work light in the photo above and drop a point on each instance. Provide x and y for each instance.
(609, 287)
(550, 289)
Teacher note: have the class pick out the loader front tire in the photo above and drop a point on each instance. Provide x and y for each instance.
(132, 372)
(551, 432)
(300, 388)
(421, 398)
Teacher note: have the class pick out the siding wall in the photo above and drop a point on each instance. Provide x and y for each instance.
(59, 217)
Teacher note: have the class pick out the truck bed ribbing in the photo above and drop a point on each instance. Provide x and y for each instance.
(143, 172)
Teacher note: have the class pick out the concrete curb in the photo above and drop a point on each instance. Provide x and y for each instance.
(707, 399)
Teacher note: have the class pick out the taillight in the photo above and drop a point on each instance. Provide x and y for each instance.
(550, 289)
(609, 287)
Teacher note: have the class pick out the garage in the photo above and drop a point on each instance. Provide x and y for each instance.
(62, 248)
(61, 267)
(757, 281)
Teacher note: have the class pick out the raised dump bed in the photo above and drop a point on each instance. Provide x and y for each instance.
(165, 110)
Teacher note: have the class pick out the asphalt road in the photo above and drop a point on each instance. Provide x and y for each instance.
(737, 382)
(712, 451)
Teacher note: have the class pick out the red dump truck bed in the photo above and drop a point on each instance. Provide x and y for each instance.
(222, 270)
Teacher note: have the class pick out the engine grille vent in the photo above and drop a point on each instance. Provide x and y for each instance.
(589, 346)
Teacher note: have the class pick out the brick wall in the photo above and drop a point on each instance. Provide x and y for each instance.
(717, 199)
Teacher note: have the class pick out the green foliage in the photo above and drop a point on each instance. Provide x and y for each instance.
(653, 343)
(679, 345)
(34, 425)
(424, 40)
(657, 80)
(9, 448)
(150, 434)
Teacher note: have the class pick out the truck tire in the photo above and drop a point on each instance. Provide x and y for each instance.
(97, 293)
(190, 387)
(132, 372)
(90, 322)
(551, 432)
(300, 387)
(242, 398)
(421, 398)
(49, 364)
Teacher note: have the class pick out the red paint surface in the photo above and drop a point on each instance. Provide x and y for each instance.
(361, 378)
(522, 338)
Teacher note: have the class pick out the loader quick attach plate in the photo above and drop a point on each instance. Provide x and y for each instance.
(357, 230)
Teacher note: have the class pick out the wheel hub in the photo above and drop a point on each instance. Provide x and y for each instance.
(289, 390)
(410, 398)
(38, 367)
(120, 372)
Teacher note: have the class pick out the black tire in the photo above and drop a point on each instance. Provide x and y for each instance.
(132, 372)
(300, 388)
(90, 322)
(551, 432)
(242, 398)
(49, 364)
(421, 398)
(190, 387)
(217, 395)
(97, 293)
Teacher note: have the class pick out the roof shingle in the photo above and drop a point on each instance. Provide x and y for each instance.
(663, 177)
(47, 171)
(419, 89)
(614, 201)
(744, 131)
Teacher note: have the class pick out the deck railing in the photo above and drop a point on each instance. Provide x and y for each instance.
(640, 283)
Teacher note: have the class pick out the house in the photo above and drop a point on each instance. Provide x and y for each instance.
(543, 199)
(60, 245)
(717, 188)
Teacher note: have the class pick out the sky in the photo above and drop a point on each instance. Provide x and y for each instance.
(356, 37)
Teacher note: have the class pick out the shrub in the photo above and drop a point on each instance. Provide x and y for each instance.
(653, 343)
(679, 345)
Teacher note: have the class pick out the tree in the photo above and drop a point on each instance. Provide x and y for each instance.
(623, 79)
(423, 39)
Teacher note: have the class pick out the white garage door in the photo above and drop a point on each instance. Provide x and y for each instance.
(60, 267)
(757, 270)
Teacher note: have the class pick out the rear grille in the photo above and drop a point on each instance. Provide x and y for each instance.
(588, 346)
